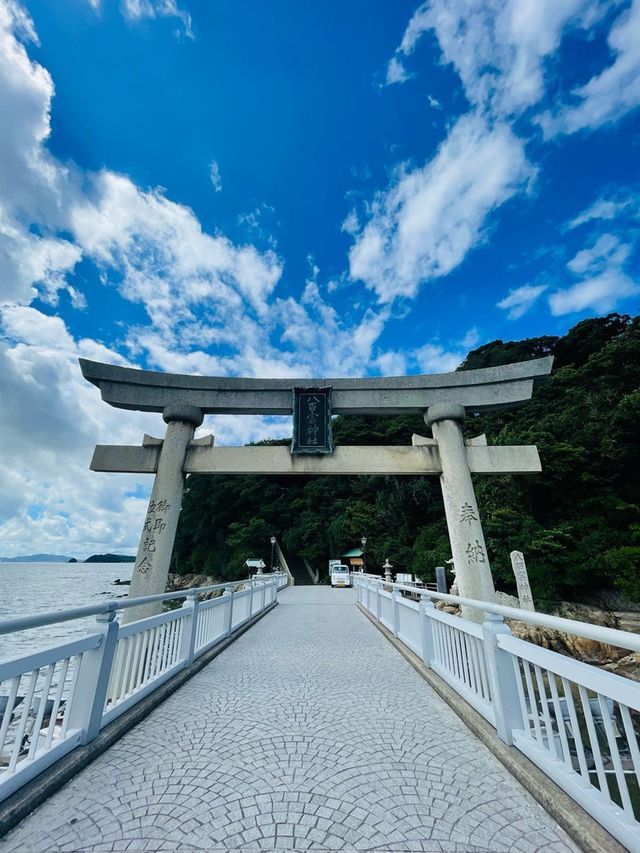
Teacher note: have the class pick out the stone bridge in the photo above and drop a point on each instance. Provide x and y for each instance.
(310, 731)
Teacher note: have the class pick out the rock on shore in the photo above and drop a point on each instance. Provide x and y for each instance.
(612, 658)
(178, 583)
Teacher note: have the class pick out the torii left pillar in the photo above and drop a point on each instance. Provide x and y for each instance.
(470, 559)
(161, 521)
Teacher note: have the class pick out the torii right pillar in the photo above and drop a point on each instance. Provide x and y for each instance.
(469, 550)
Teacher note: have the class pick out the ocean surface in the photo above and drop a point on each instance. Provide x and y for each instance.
(29, 588)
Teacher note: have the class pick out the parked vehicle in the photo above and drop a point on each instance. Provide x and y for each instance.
(339, 573)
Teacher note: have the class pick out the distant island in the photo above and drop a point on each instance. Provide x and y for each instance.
(109, 558)
(59, 558)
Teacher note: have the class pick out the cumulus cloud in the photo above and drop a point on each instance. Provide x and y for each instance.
(33, 185)
(50, 419)
(425, 223)
(519, 301)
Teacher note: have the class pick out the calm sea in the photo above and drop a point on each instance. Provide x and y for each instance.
(29, 588)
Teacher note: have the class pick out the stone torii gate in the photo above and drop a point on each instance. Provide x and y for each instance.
(442, 399)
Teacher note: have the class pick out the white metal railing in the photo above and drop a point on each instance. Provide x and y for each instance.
(578, 723)
(57, 698)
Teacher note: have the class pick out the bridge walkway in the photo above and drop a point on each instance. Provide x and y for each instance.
(309, 732)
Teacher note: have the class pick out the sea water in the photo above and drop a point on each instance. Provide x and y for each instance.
(30, 588)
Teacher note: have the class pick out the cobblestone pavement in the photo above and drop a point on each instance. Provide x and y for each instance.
(309, 732)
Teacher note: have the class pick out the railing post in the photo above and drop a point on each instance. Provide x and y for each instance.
(230, 613)
(93, 680)
(189, 628)
(426, 630)
(251, 599)
(395, 600)
(378, 588)
(502, 679)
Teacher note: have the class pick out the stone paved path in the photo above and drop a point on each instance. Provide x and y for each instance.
(309, 732)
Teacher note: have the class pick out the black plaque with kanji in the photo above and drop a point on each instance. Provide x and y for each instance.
(312, 421)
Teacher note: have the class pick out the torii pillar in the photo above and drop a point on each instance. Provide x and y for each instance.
(470, 558)
(161, 521)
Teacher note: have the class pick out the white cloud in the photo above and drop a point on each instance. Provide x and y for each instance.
(424, 225)
(471, 339)
(27, 260)
(433, 358)
(136, 10)
(391, 363)
(607, 251)
(600, 293)
(605, 281)
(396, 72)
(259, 224)
(168, 263)
(351, 225)
(498, 47)
(50, 419)
(32, 184)
(607, 208)
(214, 176)
(615, 91)
(521, 300)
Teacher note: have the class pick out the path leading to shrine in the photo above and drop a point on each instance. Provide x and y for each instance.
(309, 732)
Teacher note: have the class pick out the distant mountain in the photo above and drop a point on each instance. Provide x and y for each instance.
(36, 558)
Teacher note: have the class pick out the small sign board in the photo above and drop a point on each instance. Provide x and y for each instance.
(312, 421)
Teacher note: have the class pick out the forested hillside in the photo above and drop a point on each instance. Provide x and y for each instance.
(578, 522)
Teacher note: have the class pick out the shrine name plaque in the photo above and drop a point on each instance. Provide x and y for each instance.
(312, 421)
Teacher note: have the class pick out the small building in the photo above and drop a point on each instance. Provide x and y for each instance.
(354, 558)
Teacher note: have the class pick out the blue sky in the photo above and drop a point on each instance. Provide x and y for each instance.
(290, 189)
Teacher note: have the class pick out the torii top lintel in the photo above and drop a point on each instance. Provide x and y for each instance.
(485, 389)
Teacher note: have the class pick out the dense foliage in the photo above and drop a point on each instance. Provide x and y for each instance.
(578, 523)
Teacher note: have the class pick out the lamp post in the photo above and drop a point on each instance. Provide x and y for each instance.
(273, 543)
(364, 542)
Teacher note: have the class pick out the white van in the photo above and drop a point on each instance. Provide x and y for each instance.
(340, 575)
